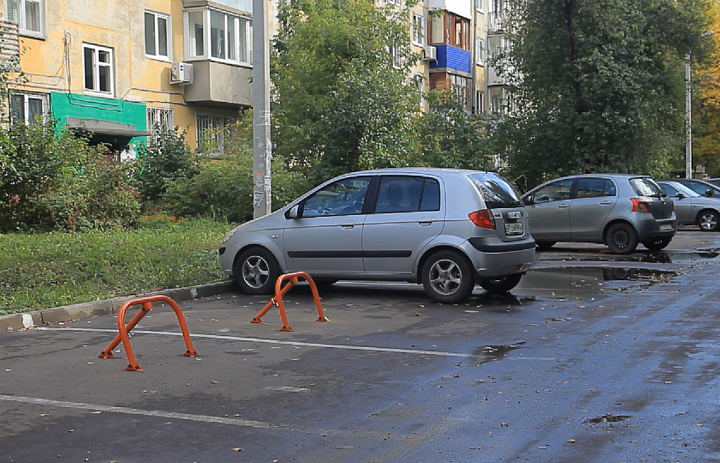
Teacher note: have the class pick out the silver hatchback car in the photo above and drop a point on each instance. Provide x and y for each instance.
(619, 210)
(447, 229)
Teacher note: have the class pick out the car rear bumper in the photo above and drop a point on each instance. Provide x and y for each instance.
(493, 258)
(657, 229)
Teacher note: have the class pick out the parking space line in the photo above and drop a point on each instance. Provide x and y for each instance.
(137, 411)
(276, 341)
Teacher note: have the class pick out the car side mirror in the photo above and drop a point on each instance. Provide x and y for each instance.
(708, 193)
(293, 212)
(527, 200)
(680, 196)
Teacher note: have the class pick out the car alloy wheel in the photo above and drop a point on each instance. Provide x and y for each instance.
(447, 277)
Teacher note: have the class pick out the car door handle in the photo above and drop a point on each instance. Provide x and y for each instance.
(605, 203)
(347, 225)
(425, 221)
(563, 205)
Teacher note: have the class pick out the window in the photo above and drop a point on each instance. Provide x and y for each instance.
(408, 194)
(450, 29)
(98, 70)
(340, 198)
(29, 14)
(157, 35)
(479, 51)
(211, 132)
(418, 29)
(480, 5)
(28, 108)
(595, 187)
(395, 53)
(460, 86)
(479, 102)
(159, 120)
(555, 191)
(216, 35)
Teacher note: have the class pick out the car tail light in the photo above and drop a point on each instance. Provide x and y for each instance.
(483, 219)
(639, 205)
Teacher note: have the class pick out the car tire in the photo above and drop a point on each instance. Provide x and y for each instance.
(545, 245)
(708, 220)
(448, 277)
(501, 285)
(621, 238)
(656, 244)
(256, 271)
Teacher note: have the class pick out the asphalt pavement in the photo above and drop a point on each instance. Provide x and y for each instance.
(593, 358)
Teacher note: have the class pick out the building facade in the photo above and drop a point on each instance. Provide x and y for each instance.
(118, 68)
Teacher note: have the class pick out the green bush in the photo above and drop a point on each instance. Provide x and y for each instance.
(59, 182)
(165, 160)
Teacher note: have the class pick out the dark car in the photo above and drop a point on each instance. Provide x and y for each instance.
(619, 210)
(700, 187)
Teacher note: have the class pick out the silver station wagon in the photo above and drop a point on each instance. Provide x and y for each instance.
(446, 229)
(619, 210)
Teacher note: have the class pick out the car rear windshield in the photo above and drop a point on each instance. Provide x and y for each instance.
(646, 187)
(495, 190)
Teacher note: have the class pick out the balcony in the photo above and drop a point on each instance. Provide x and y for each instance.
(451, 58)
(219, 84)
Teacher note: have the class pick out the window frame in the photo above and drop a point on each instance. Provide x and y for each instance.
(97, 67)
(235, 26)
(27, 96)
(17, 11)
(217, 124)
(418, 29)
(168, 35)
(479, 51)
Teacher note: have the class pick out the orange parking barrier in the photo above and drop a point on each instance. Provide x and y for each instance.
(146, 306)
(280, 290)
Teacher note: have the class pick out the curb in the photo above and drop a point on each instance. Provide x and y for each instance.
(103, 307)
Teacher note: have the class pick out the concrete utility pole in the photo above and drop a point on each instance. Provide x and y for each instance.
(688, 118)
(262, 144)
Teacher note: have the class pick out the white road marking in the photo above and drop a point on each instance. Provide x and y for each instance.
(137, 411)
(276, 341)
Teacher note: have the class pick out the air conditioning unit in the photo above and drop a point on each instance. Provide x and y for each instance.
(429, 53)
(181, 73)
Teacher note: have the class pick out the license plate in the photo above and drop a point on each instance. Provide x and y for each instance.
(515, 228)
(665, 227)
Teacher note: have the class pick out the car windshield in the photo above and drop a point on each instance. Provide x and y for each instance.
(495, 190)
(646, 186)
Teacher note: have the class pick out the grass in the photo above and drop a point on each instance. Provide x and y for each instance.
(43, 270)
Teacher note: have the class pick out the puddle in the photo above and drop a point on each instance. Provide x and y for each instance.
(608, 418)
(490, 353)
(661, 257)
(585, 282)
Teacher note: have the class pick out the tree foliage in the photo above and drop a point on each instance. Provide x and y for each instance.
(448, 136)
(343, 99)
(599, 84)
(706, 101)
(59, 182)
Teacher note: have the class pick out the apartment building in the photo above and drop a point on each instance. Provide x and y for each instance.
(116, 68)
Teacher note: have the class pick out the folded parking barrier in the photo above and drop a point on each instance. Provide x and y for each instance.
(280, 290)
(123, 336)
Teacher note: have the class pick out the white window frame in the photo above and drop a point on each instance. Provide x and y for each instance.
(394, 51)
(157, 17)
(17, 10)
(480, 5)
(479, 102)
(418, 29)
(235, 41)
(97, 67)
(479, 51)
(44, 102)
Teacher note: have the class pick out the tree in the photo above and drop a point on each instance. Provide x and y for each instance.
(598, 85)
(450, 137)
(342, 97)
(706, 104)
